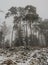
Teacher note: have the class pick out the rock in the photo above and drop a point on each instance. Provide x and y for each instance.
(8, 54)
(35, 55)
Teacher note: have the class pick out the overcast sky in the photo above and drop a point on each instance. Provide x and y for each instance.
(41, 5)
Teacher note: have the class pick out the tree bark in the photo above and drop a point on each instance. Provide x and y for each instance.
(11, 39)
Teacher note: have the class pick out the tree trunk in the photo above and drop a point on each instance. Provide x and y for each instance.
(26, 38)
(31, 31)
(11, 39)
(20, 33)
(24, 35)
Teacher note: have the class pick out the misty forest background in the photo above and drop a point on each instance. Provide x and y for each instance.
(28, 28)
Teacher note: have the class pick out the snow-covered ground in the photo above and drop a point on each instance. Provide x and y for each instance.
(34, 56)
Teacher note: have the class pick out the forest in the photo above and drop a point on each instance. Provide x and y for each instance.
(27, 42)
(28, 28)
